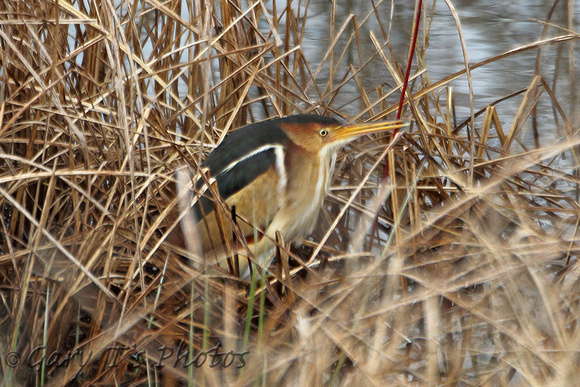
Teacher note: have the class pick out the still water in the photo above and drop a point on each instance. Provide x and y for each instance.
(489, 28)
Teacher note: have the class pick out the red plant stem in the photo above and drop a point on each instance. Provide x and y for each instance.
(410, 61)
(401, 100)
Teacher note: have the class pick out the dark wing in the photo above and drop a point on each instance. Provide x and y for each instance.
(235, 179)
(242, 156)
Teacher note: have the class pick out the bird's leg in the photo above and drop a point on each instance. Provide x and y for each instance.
(283, 258)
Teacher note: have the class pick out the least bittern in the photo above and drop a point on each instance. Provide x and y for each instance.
(276, 174)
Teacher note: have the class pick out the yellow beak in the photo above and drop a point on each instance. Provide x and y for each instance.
(349, 132)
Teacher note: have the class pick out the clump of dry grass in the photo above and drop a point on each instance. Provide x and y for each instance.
(468, 275)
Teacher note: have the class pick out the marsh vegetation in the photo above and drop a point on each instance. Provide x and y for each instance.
(449, 259)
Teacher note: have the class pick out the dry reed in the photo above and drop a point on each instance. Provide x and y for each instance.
(469, 277)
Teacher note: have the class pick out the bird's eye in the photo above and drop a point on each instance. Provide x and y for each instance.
(323, 132)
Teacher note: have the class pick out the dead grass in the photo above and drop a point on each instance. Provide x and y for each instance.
(469, 274)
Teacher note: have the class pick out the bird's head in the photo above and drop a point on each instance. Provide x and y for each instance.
(320, 134)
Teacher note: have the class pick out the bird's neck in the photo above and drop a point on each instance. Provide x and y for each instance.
(309, 173)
